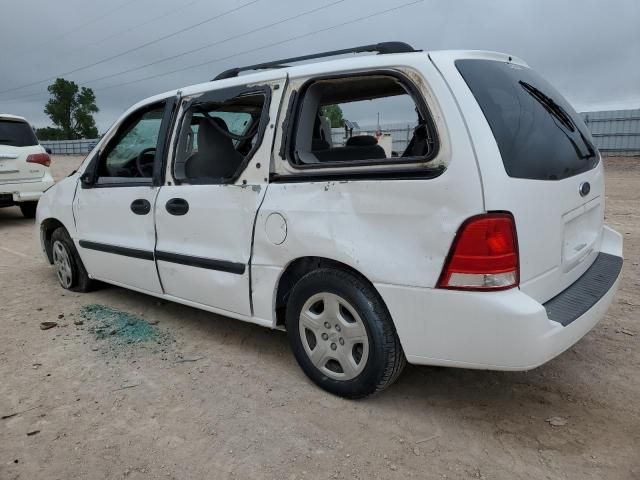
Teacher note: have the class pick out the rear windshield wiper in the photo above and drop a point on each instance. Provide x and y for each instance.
(550, 104)
(560, 113)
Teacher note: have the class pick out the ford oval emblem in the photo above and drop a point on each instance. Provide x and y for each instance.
(585, 188)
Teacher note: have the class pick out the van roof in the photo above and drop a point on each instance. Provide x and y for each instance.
(357, 62)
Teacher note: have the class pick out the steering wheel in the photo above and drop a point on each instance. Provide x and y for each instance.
(145, 169)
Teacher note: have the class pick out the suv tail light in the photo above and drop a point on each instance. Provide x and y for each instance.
(39, 158)
(484, 255)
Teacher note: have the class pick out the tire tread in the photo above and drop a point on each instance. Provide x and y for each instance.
(394, 358)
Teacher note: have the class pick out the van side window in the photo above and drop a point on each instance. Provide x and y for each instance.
(131, 153)
(361, 120)
(217, 139)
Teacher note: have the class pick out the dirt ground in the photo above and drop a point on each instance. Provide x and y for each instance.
(210, 397)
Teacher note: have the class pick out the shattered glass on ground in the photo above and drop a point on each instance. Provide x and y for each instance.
(120, 327)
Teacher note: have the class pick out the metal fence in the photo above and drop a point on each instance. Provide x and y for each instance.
(401, 134)
(70, 147)
(616, 132)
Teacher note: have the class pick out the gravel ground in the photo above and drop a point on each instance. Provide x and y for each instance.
(195, 395)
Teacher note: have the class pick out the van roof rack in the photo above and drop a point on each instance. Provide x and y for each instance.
(382, 48)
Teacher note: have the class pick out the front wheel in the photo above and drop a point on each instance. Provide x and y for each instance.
(342, 334)
(67, 263)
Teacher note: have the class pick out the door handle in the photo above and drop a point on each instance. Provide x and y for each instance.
(140, 206)
(177, 206)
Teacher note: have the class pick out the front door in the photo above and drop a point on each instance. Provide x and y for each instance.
(206, 210)
(114, 203)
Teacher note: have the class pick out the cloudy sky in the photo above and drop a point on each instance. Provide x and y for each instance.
(127, 50)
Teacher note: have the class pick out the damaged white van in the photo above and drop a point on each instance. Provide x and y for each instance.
(479, 243)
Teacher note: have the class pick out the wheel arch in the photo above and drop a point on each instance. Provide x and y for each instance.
(47, 227)
(298, 268)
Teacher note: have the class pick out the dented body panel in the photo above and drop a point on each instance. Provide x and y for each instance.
(56, 207)
(219, 226)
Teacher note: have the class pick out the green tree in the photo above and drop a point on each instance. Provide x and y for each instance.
(49, 133)
(71, 109)
(334, 113)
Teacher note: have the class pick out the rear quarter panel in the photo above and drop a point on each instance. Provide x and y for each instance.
(534, 203)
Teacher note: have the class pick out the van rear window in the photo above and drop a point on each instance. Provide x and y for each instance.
(540, 136)
(17, 134)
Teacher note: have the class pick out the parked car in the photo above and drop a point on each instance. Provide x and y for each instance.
(24, 165)
(482, 245)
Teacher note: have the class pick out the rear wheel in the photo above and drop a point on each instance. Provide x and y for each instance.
(67, 263)
(342, 334)
(28, 209)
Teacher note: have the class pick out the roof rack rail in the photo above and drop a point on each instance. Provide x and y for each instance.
(382, 48)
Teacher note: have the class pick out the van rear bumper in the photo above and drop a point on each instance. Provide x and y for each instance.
(505, 330)
(585, 292)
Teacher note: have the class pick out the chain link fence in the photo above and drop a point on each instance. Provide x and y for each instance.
(70, 147)
(400, 134)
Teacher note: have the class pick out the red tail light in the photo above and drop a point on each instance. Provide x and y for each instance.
(484, 255)
(39, 158)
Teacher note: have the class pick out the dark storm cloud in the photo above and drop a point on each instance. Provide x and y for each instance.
(588, 49)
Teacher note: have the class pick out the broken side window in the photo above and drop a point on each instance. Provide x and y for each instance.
(361, 120)
(217, 138)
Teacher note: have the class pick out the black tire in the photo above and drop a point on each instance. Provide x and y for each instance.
(80, 281)
(385, 358)
(28, 209)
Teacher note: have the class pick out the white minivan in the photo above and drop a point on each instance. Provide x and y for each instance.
(478, 242)
(24, 165)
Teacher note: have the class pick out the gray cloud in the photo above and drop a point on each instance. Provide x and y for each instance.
(588, 48)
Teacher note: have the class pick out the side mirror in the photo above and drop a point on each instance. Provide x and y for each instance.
(49, 151)
(87, 180)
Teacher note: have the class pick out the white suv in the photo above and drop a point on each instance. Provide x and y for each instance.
(24, 165)
(479, 243)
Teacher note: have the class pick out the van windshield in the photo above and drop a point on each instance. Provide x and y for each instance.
(17, 134)
(540, 136)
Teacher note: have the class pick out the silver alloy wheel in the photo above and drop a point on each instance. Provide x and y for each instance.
(334, 336)
(62, 264)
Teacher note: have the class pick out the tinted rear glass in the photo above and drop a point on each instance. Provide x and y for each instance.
(17, 134)
(540, 136)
